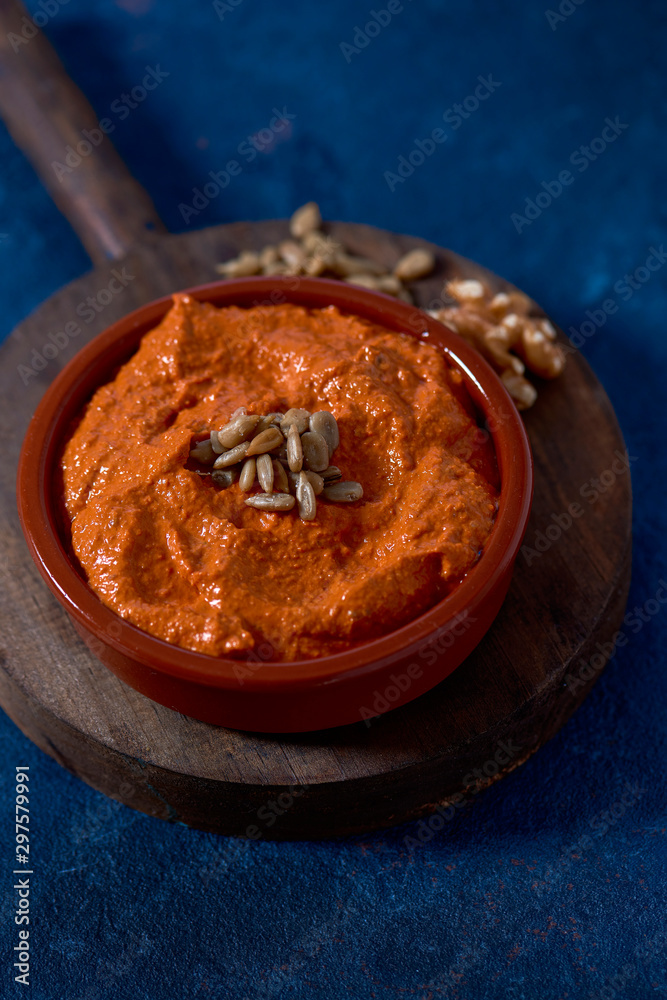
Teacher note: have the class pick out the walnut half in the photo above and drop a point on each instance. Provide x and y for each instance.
(501, 328)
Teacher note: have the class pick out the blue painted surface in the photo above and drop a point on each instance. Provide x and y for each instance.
(551, 884)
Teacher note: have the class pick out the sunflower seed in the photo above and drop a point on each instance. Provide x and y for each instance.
(315, 451)
(389, 284)
(264, 424)
(232, 456)
(271, 501)
(363, 280)
(203, 452)
(464, 289)
(237, 430)
(215, 444)
(314, 266)
(224, 477)
(321, 247)
(265, 472)
(316, 242)
(325, 424)
(240, 267)
(331, 474)
(305, 220)
(294, 449)
(247, 480)
(269, 255)
(343, 492)
(305, 496)
(415, 264)
(240, 411)
(276, 267)
(280, 481)
(295, 416)
(292, 253)
(314, 479)
(344, 264)
(268, 439)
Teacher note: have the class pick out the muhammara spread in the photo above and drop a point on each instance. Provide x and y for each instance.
(168, 549)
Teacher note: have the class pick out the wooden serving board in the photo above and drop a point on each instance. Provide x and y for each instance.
(517, 689)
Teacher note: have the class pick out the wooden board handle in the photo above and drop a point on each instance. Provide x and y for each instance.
(46, 113)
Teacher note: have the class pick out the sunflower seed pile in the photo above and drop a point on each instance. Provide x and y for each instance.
(287, 454)
(311, 252)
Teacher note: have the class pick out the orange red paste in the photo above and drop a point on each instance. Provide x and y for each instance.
(189, 563)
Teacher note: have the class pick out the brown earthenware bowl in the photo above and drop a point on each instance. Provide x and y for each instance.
(370, 678)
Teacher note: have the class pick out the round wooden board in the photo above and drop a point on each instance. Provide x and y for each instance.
(516, 690)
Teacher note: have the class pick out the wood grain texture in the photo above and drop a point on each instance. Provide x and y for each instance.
(513, 689)
(53, 123)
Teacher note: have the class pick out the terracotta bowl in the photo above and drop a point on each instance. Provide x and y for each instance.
(370, 678)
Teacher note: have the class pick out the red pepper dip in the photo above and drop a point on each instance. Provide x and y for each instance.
(193, 564)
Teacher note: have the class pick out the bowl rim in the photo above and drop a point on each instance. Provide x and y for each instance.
(75, 381)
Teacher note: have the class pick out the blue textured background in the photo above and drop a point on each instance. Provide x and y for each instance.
(550, 884)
